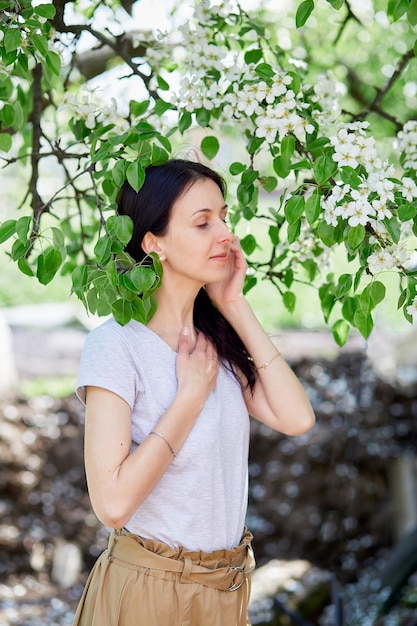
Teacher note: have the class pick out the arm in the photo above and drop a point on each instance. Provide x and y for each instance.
(279, 399)
(118, 482)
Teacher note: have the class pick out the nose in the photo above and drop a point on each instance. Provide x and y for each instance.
(224, 233)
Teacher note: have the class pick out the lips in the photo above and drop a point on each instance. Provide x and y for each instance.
(220, 257)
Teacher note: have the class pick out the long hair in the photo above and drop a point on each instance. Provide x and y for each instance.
(150, 210)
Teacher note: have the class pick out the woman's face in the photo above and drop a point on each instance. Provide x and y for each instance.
(197, 243)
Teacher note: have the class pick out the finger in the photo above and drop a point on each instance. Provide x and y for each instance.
(184, 341)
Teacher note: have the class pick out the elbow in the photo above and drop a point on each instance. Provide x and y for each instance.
(304, 422)
(112, 515)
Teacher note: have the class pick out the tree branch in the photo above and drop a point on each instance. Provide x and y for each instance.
(37, 204)
(382, 91)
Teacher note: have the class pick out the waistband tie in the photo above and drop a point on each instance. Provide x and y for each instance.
(128, 547)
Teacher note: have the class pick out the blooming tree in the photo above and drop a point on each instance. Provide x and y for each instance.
(312, 125)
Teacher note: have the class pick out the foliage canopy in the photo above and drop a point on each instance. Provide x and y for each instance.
(310, 112)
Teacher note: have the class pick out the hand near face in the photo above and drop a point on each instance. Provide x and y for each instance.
(229, 290)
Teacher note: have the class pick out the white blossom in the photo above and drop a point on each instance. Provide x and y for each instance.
(381, 260)
(412, 309)
(381, 209)
(409, 189)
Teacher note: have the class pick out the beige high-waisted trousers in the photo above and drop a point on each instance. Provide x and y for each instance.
(138, 582)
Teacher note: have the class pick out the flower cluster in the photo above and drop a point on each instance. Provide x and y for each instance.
(268, 106)
(407, 142)
(91, 110)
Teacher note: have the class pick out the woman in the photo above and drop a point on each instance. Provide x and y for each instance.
(167, 417)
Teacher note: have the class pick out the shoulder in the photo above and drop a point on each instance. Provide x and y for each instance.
(110, 330)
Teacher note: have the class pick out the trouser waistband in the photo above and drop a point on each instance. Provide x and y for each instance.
(128, 547)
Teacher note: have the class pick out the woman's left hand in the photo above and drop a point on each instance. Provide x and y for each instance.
(229, 290)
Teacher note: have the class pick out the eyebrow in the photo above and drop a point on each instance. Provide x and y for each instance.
(207, 210)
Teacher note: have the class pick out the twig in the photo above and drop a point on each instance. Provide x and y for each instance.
(37, 204)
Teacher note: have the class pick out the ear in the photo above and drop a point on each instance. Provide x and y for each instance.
(150, 244)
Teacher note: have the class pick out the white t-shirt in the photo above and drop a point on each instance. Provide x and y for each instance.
(200, 502)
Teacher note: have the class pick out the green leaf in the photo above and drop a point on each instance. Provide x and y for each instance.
(24, 267)
(324, 167)
(250, 282)
(237, 168)
(184, 122)
(343, 286)
(393, 228)
(253, 56)
(406, 212)
(12, 40)
(269, 183)
(355, 236)
(53, 62)
(19, 249)
(264, 70)
(349, 308)
(303, 12)
(140, 312)
(340, 330)
(41, 43)
(254, 144)
(327, 300)
(363, 322)
(58, 238)
(135, 175)
(294, 231)
(7, 229)
(137, 109)
(121, 226)
(119, 172)
(7, 114)
(159, 155)
(162, 83)
(5, 142)
(143, 278)
(350, 176)
(47, 265)
(202, 117)
(22, 227)
(396, 8)
(161, 107)
(45, 10)
(312, 207)
(281, 168)
(336, 4)
(287, 149)
(210, 146)
(326, 233)
(294, 208)
(102, 250)
(289, 301)
(318, 144)
(79, 280)
(412, 12)
(273, 233)
(122, 311)
(378, 291)
(248, 244)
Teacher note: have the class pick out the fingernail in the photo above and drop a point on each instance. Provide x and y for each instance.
(186, 331)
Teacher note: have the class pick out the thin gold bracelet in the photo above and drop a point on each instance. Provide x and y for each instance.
(265, 365)
(171, 449)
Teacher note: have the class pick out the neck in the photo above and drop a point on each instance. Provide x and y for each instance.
(174, 312)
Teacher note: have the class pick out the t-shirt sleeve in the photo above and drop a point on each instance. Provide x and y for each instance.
(107, 362)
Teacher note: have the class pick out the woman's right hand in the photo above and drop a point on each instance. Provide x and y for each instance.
(196, 369)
